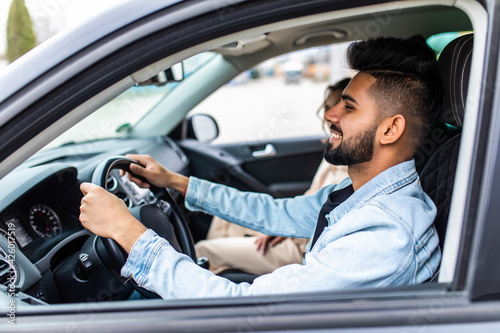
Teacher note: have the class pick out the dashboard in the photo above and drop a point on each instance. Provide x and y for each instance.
(45, 214)
(41, 237)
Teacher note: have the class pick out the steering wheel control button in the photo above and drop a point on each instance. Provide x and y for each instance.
(84, 266)
(40, 295)
(165, 207)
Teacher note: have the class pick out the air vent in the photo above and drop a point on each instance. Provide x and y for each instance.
(125, 199)
(8, 273)
(111, 183)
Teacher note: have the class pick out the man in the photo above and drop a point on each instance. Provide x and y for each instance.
(372, 230)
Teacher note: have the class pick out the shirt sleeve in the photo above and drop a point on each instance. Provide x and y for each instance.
(291, 217)
(375, 254)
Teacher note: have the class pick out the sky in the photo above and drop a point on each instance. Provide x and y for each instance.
(52, 16)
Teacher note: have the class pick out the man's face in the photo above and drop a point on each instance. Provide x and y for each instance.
(353, 124)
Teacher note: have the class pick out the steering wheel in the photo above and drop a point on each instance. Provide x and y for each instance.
(164, 217)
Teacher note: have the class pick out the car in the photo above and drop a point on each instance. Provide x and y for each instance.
(140, 78)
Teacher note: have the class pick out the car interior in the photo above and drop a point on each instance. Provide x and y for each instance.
(61, 262)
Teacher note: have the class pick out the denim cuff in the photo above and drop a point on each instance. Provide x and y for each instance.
(142, 256)
(196, 193)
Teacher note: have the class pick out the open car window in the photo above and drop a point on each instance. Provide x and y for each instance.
(283, 95)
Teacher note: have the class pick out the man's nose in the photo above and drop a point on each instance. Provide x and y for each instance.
(333, 114)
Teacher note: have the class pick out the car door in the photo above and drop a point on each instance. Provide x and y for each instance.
(469, 301)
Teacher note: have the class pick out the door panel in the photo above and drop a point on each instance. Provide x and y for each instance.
(287, 172)
(290, 171)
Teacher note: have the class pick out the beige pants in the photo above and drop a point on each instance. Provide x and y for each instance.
(241, 253)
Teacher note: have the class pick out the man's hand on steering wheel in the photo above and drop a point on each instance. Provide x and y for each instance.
(119, 228)
(106, 215)
(155, 174)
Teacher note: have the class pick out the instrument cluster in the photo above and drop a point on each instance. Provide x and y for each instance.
(36, 220)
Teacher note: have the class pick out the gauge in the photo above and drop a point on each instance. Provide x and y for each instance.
(44, 221)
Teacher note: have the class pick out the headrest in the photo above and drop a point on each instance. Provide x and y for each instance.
(454, 63)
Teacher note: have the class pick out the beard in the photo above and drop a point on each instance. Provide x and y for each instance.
(355, 151)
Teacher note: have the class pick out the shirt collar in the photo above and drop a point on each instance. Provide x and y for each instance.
(385, 182)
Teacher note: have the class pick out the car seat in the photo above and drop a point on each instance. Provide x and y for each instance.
(438, 175)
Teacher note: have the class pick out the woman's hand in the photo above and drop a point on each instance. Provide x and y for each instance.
(264, 242)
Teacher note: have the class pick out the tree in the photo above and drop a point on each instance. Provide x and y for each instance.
(20, 35)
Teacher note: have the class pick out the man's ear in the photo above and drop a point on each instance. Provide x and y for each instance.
(391, 129)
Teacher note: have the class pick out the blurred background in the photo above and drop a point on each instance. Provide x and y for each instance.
(48, 17)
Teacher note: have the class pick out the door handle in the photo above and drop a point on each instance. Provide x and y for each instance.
(269, 150)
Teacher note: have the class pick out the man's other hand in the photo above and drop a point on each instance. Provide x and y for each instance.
(107, 216)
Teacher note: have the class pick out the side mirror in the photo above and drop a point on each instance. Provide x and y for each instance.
(175, 73)
(202, 127)
(172, 74)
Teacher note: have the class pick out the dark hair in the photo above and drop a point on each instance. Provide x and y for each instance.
(407, 80)
(340, 85)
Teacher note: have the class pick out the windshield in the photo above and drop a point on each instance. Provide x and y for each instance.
(119, 116)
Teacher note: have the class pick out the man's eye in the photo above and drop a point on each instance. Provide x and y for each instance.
(348, 107)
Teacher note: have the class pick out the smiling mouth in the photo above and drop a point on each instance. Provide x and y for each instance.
(335, 136)
(336, 133)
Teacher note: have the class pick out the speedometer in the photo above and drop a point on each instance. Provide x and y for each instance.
(44, 221)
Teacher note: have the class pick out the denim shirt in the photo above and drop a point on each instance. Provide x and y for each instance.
(382, 235)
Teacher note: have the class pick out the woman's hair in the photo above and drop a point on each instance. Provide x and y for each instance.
(340, 85)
